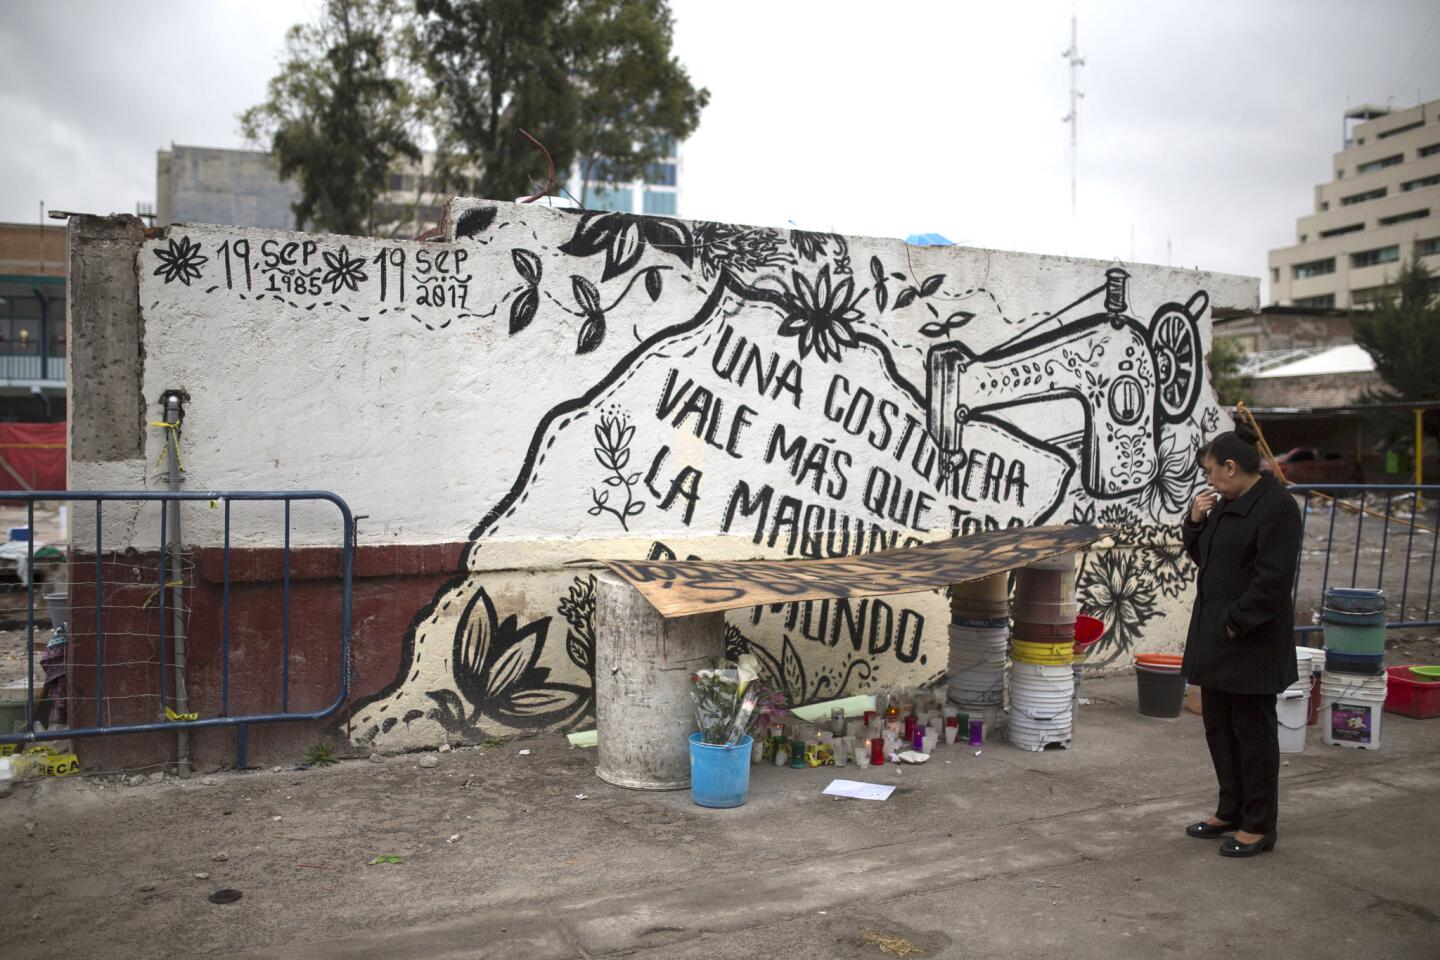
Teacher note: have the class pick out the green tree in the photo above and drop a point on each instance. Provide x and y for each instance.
(592, 79)
(342, 113)
(1402, 335)
(499, 66)
(634, 94)
(1226, 356)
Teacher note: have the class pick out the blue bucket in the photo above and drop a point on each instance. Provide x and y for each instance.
(719, 774)
(1329, 615)
(1354, 599)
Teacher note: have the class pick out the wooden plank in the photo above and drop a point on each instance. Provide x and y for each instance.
(678, 588)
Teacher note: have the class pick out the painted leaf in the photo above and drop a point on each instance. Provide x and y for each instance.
(882, 296)
(475, 221)
(606, 458)
(544, 705)
(527, 265)
(601, 498)
(522, 309)
(580, 652)
(449, 711)
(933, 311)
(512, 664)
(907, 297)
(876, 270)
(792, 673)
(933, 330)
(592, 333)
(586, 295)
(592, 235)
(634, 508)
(624, 250)
(669, 236)
(931, 284)
(652, 284)
(613, 481)
(547, 699)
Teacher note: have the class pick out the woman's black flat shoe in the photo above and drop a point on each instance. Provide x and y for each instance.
(1234, 848)
(1210, 831)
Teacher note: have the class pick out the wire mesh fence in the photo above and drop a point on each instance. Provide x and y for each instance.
(115, 625)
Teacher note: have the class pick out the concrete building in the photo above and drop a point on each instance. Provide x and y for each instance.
(32, 322)
(1382, 206)
(243, 188)
(1273, 329)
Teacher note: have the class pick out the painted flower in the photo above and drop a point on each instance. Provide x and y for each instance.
(723, 246)
(578, 609)
(496, 669)
(1116, 587)
(1165, 497)
(182, 261)
(1171, 567)
(821, 315)
(342, 271)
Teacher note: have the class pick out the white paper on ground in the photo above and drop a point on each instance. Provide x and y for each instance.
(857, 790)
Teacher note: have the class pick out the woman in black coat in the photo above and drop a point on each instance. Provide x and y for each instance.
(1244, 535)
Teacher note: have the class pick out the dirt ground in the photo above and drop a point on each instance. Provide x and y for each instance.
(1000, 854)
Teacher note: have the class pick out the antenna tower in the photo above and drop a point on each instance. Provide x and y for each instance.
(1073, 118)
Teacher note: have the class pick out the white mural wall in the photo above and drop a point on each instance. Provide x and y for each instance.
(554, 386)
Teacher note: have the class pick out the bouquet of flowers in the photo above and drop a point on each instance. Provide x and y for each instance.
(726, 700)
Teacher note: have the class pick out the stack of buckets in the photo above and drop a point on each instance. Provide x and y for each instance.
(1354, 683)
(979, 637)
(1042, 680)
(1292, 706)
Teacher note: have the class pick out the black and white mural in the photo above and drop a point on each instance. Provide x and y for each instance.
(663, 388)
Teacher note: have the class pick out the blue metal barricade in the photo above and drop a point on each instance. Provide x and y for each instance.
(165, 592)
(1386, 534)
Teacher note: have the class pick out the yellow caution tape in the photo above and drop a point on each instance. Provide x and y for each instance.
(61, 765)
(172, 584)
(172, 715)
(175, 438)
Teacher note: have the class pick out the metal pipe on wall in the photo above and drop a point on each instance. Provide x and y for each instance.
(176, 576)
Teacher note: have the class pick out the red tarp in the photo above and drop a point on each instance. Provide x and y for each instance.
(32, 456)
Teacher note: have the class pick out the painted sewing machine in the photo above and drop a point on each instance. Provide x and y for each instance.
(1099, 386)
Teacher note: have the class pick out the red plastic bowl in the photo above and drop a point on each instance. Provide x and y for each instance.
(1410, 697)
(1088, 630)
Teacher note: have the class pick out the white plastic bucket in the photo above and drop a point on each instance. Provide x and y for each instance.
(1292, 711)
(1351, 709)
(1317, 657)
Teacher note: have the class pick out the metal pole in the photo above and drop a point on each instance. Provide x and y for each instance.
(176, 576)
(1419, 456)
(1073, 118)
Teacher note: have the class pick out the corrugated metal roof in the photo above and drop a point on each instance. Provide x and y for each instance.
(1349, 358)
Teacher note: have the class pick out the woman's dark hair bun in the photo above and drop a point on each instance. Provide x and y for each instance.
(1247, 433)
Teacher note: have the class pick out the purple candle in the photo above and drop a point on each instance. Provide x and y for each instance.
(977, 732)
(919, 741)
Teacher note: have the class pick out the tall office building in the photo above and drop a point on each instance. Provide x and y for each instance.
(1382, 207)
(657, 193)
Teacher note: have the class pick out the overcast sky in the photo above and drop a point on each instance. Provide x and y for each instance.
(1203, 129)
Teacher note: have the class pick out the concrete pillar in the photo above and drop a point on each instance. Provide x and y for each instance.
(643, 712)
(104, 360)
